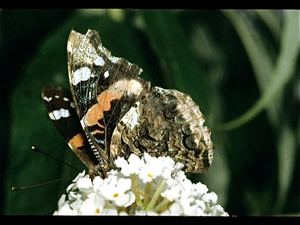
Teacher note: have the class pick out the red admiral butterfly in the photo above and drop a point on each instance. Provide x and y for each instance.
(111, 111)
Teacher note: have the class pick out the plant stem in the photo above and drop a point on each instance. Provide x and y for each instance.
(136, 189)
(162, 205)
(147, 193)
(156, 195)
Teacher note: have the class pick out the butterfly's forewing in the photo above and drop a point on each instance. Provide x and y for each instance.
(104, 88)
(60, 107)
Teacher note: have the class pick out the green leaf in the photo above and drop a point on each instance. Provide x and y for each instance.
(180, 66)
(281, 73)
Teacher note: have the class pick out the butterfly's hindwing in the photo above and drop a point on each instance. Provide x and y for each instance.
(61, 109)
(165, 123)
(104, 88)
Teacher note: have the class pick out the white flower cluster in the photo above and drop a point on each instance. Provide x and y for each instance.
(143, 186)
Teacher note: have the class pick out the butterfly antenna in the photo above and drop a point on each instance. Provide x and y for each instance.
(40, 151)
(38, 185)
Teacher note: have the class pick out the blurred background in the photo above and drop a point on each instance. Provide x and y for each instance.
(241, 67)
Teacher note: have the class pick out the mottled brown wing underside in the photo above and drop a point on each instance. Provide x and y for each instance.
(166, 123)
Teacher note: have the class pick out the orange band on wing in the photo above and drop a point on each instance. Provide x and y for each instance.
(95, 113)
(78, 140)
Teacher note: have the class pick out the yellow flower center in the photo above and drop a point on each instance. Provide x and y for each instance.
(115, 195)
(150, 175)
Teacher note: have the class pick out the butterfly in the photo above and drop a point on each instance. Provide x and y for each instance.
(111, 112)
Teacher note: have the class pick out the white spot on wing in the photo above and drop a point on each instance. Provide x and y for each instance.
(66, 99)
(98, 61)
(51, 115)
(132, 86)
(72, 105)
(47, 99)
(106, 74)
(82, 74)
(85, 73)
(57, 114)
